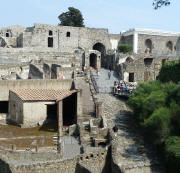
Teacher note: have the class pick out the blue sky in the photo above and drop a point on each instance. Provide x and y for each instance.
(116, 15)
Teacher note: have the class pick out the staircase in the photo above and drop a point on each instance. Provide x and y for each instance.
(102, 83)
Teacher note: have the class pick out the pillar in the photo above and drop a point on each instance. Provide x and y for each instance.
(60, 125)
(79, 104)
(99, 109)
(135, 42)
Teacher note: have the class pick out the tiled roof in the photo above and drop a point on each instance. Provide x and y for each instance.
(42, 94)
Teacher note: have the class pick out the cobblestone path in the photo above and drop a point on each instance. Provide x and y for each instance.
(129, 151)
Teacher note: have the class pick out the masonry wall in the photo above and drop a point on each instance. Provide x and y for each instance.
(142, 71)
(79, 37)
(15, 109)
(159, 44)
(86, 163)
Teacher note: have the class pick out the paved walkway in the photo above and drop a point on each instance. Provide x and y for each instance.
(102, 82)
(129, 151)
(70, 147)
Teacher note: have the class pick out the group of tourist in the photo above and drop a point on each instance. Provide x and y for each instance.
(123, 88)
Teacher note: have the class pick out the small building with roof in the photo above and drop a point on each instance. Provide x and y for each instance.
(30, 107)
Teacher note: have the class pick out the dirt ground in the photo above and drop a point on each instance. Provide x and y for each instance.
(27, 137)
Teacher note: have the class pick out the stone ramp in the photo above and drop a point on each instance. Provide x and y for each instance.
(102, 83)
(130, 153)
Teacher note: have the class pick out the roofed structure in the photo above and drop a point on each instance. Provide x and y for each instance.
(42, 94)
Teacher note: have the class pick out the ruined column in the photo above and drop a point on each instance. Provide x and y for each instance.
(99, 109)
(60, 125)
(79, 104)
(135, 42)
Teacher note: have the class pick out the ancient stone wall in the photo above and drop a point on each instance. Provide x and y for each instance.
(141, 67)
(15, 109)
(61, 38)
(159, 44)
(85, 163)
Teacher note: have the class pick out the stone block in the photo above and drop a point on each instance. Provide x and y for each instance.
(73, 130)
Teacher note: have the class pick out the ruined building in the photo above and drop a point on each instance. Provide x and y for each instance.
(44, 74)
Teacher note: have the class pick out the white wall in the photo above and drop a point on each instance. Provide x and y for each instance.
(114, 43)
(34, 112)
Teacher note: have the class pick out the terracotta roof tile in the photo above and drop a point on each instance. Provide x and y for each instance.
(42, 94)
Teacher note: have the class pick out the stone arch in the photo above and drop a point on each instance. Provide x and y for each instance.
(2, 42)
(148, 61)
(129, 59)
(101, 48)
(93, 60)
(169, 46)
(178, 46)
(148, 44)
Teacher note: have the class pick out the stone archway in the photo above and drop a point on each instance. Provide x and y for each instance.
(169, 46)
(148, 44)
(101, 48)
(93, 60)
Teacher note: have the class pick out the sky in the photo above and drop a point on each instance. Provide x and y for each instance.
(116, 15)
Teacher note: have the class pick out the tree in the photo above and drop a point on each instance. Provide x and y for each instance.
(159, 3)
(72, 17)
(125, 48)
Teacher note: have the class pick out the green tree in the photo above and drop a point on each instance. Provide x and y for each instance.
(72, 17)
(125, 48)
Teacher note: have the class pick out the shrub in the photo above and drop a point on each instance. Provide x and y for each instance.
(125, 48)
(175, 117)
(158, 124)
(170, 71)
(146, 98)
(172, 153)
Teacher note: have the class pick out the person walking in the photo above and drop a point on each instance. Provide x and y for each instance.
(109, 75)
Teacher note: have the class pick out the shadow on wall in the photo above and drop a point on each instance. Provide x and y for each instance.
(4, 167)
(34, 72)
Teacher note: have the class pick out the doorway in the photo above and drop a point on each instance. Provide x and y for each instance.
(50, 41)
(70, 110)
(131, 77)
(93, 61)
(4, 106)
(52, 112)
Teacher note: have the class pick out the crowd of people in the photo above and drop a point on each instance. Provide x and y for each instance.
(123, 88)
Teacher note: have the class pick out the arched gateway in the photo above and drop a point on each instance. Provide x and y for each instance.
(101, 48)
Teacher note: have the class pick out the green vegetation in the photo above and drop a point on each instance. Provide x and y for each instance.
(170, 72)
(125, 48)
(156, 106)
(72, 17)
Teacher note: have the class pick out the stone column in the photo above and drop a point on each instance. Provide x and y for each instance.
(135, 42)
(60, 125)
(99, 109)
(79, 104)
